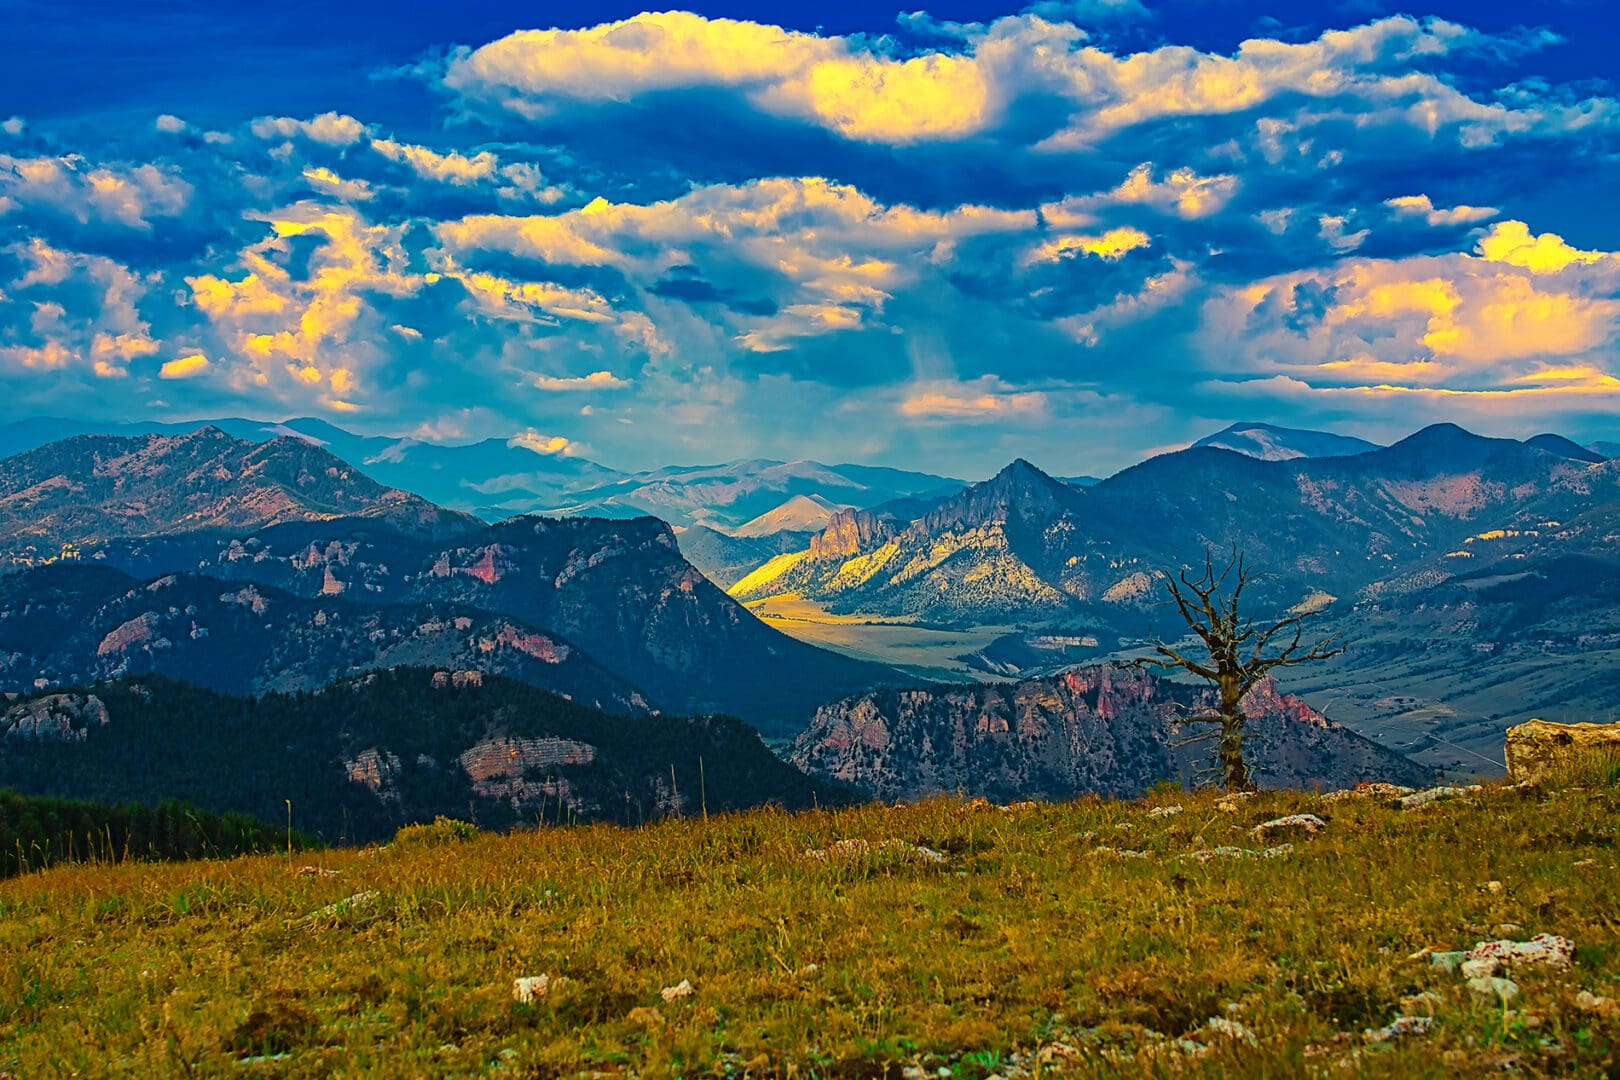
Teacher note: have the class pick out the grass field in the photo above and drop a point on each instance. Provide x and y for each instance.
(918, 650)
(1026, 951)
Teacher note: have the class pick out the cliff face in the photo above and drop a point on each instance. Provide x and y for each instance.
(849, 533)
(1104, 730)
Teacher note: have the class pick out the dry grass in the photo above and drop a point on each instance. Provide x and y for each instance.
(1024, 937)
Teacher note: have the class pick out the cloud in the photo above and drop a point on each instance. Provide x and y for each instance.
(596, 380)
(1455, 323)
(170, 124)
(547, 445)
(1112, 244)
(450, 168)
(870, 91)
(185, 367)
(328, 182)
(1511, 242)
(13, 125)
(1422, 206)
(123, 194)
(980, 401)
(329, 129)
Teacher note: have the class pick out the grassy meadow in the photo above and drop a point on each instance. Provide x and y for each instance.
(1073, 939)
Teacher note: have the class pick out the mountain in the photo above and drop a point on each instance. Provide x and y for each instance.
(360, 757)
(1568, 448)
(491, 478)
(727, 497)
(1102, 730)
(984, 554)
(618, 590)
(1271, 443)
(725, 559)
(802, 513)
(499, 477)
(1023, 547)
(71, 624)
(92, 488)
(1605, 449)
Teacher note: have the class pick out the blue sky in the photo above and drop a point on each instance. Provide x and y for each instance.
(1077, 232)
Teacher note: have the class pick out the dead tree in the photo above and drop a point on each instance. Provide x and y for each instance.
(1237, 653)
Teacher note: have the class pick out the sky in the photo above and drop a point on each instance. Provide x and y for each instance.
(1079, 232)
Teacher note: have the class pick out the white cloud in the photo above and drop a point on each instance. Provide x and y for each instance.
(1422, 206)
(329, 128)
(596, 380)
(184, 367)
(548, 445)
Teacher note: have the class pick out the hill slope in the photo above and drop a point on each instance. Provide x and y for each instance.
(70, 624)
(1086, 939)
(96, 487)
(362, 756)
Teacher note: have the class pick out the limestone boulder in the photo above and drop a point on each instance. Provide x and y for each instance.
(1539, 747)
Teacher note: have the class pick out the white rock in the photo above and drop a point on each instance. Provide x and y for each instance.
(1400, 1027)
(1232, 1029)
(1309, 822)
(1549, 949)
(1165, 811)
(1429, 795)
(1499, 989)
(1480, 967)
(529, 987)
(682, 989)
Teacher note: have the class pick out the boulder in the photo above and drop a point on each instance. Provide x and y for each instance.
(1538, 747)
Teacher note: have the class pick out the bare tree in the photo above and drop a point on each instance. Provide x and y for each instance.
(1237, 653)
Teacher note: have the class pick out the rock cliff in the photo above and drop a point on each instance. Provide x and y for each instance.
(1106, 730)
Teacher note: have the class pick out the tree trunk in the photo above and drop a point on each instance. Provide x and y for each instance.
(1234, 771)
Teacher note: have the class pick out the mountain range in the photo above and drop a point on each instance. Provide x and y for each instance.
(1471, 576)
(496, 478)
(381, 567)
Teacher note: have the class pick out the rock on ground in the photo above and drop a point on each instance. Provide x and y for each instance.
(1539, 747)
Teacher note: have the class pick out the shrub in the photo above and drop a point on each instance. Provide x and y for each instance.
(436, 833)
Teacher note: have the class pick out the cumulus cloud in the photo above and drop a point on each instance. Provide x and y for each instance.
(870, 93)
(184, 367)
(1508, 321)
(596, 380)
(1511, 242)
(547, 445)
(1422, 206)
(128, 195)
(329, 129)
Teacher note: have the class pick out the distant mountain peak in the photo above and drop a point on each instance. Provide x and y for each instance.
(1020, 490)
(1565, 448)
(1269, 442)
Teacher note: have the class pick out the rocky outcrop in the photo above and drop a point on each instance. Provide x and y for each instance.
(515, 769)
(851, 532)
(1106, 730)
(1539, 748)
(55, 718)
